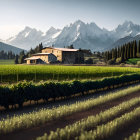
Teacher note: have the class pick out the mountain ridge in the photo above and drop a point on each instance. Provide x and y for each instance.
(80, 34)
(6, 47)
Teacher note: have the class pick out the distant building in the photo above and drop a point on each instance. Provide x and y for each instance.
(41, 58)
(51, 55)
(65, 55)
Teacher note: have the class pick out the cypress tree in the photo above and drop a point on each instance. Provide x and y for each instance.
(113, 53)
(138, 49)
(125, 52)
(134, 49)
(118, 51)
(122, 53)
(128, 50)
(131, 50)
(107, 55)
(16, 59)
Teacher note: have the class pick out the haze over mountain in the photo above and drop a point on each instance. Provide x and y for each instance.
(80, 34)
(6, 48)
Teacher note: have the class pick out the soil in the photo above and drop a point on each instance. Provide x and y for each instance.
(32, 133)
(127, 131)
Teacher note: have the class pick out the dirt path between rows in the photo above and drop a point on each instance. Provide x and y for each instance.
(32, 133)
(127, 131)
(110, 119)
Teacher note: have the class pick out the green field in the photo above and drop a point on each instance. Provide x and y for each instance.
(6, 62)
(133, 61)
(14, 73)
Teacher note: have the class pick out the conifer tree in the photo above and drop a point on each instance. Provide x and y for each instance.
(134, 49)
(128, 50)
(16, 59)
(138, 49)
(131, 50)
(122, 53)
(113, 53)
(125, 52)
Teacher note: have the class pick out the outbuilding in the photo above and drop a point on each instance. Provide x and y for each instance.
(41, 58)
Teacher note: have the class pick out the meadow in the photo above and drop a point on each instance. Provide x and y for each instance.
(133, 61)
(7, 62)
(15, 73)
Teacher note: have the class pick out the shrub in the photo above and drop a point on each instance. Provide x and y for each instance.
(111, 62)
(122, 64)
(118, 60)
(89, 61)
(138, 63)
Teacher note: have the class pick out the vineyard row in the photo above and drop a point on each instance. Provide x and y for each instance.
(27, 91)
(45, 115)
(109, 129)
(75, 129)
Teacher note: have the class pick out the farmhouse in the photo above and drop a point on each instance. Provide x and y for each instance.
(41, 58)
(51, 55)
(65, 55)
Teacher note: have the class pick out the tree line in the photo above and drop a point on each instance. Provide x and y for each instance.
(7, 55)
(20, 59)
(124, 52)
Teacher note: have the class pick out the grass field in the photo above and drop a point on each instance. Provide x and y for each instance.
(14, 73)
(133, 61)
(6, 62)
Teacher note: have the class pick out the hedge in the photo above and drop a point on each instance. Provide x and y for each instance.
(27, 91)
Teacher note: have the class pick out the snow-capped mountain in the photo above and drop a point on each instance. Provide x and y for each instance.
(26, 39)
(125, 40)
(126, 29)
(80, 34)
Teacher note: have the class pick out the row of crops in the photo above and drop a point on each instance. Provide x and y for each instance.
(27, 91)
(46, 115)
(101, 126)
(15, 73)
(134, 136)
(103, 131)
(109, 129)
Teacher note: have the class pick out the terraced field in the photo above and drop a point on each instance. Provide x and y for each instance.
(112, 116)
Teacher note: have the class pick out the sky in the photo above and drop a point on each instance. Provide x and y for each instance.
(42, 14)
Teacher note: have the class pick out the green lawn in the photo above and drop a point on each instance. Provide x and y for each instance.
(133, 61)
(6, 62)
